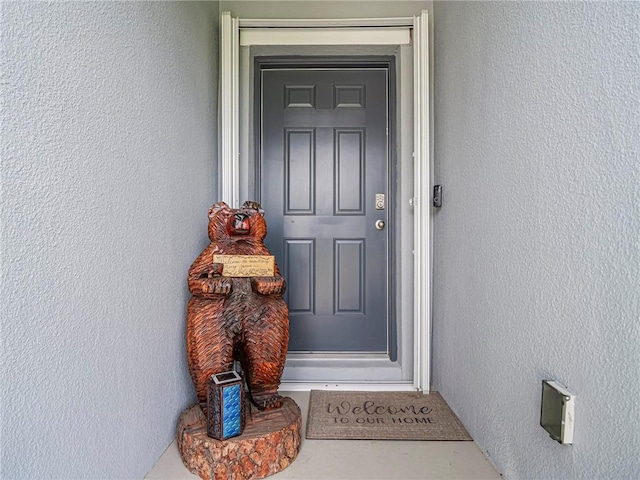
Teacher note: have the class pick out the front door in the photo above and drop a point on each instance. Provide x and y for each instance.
(324, 185)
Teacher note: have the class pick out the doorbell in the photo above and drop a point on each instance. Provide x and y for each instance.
(437, 196)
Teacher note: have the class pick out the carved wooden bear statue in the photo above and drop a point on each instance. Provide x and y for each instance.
(242, 319)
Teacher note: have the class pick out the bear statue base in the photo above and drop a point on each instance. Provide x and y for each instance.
(269, 444)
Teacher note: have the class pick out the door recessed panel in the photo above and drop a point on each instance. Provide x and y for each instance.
(300, 265)
(349, 177)
(349, 96)
(299, 171)
(349, 278)
(299, 96)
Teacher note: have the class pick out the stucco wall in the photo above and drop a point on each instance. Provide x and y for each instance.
(108, 168)
(537, 144)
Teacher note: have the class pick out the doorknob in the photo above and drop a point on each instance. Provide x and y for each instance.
(380, 224)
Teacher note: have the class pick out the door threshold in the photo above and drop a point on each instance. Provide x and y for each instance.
(340, 356)
(289, 386)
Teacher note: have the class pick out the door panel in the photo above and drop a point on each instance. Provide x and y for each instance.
(324, 157)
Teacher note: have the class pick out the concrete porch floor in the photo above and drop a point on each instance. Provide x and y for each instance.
(360, 459)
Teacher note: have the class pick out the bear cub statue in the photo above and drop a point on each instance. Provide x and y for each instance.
(233, 318)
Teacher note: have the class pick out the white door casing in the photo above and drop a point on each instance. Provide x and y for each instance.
(235, 32)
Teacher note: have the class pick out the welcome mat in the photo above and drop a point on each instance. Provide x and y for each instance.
(381, 416)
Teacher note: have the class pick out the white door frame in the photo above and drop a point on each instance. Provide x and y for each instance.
(233, 31)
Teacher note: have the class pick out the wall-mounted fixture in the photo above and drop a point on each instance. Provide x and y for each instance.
(556, 415)
(437, 196)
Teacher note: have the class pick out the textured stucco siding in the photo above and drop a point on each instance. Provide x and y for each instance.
(108, 166)
(537, 250)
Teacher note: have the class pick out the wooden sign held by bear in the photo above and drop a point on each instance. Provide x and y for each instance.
(233, 318)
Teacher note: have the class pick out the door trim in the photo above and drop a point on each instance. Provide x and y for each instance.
(230, 164)
(324, 36)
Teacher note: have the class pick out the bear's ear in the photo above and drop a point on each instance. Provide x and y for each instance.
(216, 208)
(253, 205)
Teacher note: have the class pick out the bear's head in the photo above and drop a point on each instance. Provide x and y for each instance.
(245, 223)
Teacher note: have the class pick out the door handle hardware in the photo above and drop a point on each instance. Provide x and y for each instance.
(380, 224)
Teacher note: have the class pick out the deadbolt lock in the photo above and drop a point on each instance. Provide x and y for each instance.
(380, 201)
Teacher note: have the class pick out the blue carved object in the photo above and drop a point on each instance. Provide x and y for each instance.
(225, 405)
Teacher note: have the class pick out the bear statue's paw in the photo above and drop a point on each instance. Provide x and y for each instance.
(267, 402)
(268, 285)
(217, 286)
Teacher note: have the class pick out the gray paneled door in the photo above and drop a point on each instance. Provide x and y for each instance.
(323, 163)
